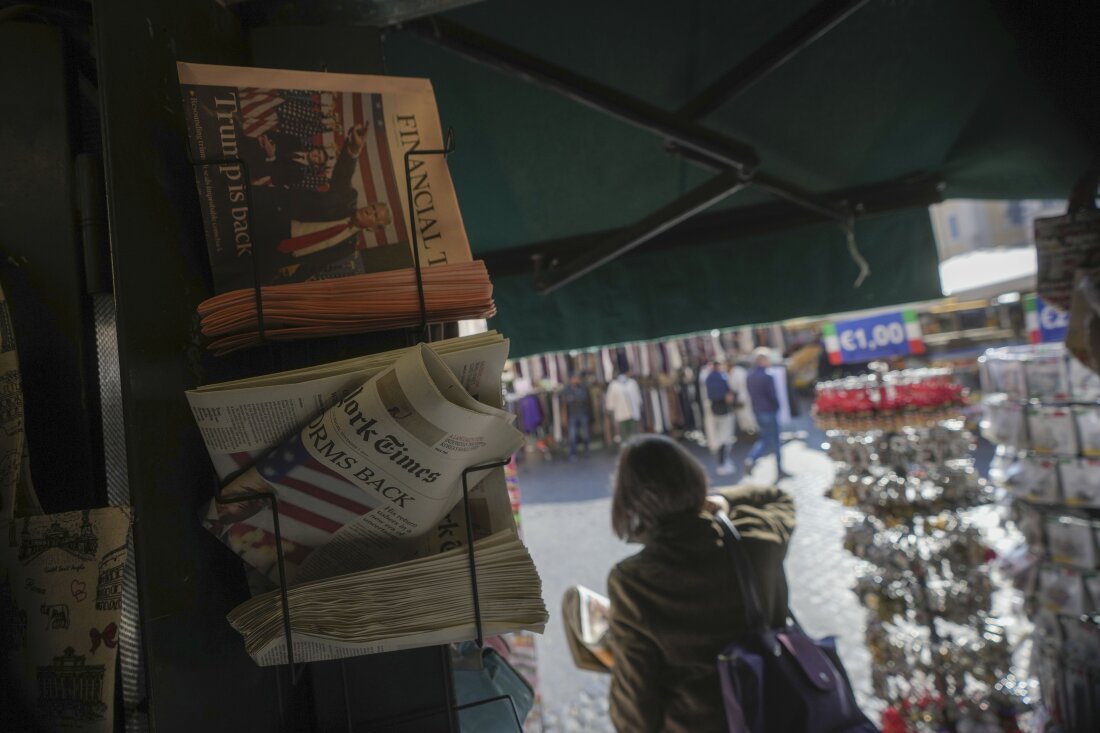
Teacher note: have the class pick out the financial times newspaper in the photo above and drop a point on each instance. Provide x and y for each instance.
(304, 175)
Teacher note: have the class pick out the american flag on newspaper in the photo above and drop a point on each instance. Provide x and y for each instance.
(314, 503)
(376, 180)
(290, 111)
(322, 119)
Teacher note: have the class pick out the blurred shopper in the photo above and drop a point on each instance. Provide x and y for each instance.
(722, 402)
(624, 401)
(676, 604)
(765, 408)
(578, 406)
(743, 419)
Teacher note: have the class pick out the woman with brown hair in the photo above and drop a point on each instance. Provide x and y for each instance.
(676, 604)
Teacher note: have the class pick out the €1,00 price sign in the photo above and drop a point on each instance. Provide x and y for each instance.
(1045, 323)
(874, 337)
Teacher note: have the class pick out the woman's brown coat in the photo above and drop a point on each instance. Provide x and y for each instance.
(675, 605)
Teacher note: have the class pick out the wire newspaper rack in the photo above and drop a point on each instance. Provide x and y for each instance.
(421, 333)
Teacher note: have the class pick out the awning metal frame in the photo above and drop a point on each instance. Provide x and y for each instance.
(917, 190)
(735, 161)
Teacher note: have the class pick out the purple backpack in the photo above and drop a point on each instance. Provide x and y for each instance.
(780, 679)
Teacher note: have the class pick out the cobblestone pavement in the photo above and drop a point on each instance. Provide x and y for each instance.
(566, 518)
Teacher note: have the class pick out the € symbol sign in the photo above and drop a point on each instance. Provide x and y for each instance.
(848, 340)
(1052, 319)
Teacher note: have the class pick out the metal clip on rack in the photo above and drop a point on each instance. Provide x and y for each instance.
(447, 149)
(273, 503)
(470, 539)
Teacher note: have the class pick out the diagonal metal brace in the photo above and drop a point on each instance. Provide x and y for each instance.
(698, 199)
(491, 52)
(776, 51)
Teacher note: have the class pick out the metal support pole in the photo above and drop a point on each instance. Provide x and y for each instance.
(735, 161)
(916, 191)
(775, 186)
(668, 216)
(490, 52)
(807, 28)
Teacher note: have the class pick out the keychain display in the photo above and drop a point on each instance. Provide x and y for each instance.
(890, 401)
(897, 499)
(1043, 406)
(899, 450)
(941, 659)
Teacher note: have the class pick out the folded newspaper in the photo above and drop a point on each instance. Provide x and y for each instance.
(368, 475)
(587, 628)
(244, 420)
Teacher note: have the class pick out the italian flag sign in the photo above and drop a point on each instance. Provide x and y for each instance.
(1031, 320)
(874, 337)
(1045, 323)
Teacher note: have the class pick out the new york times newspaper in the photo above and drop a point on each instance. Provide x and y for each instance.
(369, 478)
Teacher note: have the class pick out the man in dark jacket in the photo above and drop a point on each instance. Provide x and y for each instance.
(676, 604)
(578, 407)
(721, 399)
(765, 406)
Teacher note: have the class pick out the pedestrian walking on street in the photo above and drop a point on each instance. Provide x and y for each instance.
(624, 401)
(676, 604)
(722, 401)
(765, 408)
(578, 407)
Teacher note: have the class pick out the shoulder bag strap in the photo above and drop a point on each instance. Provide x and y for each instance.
(746, 577)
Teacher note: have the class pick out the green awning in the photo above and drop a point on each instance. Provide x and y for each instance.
(895, 89)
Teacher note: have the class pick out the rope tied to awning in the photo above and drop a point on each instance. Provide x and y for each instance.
(849, 228)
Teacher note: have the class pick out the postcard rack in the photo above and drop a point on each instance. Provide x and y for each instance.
(1041, 411)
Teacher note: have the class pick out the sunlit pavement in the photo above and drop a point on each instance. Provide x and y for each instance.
(566, 519)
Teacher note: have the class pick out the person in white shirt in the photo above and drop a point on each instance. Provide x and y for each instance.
(624, 401)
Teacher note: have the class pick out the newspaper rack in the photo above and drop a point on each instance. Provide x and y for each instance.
(423, 333)
(257, 288)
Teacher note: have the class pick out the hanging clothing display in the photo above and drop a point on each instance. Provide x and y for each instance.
(668, 376)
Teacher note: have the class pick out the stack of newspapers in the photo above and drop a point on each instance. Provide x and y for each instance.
(354, 304)
(365, 458)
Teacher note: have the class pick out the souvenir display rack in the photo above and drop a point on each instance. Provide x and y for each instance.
(1042, 408)
(941, 657)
